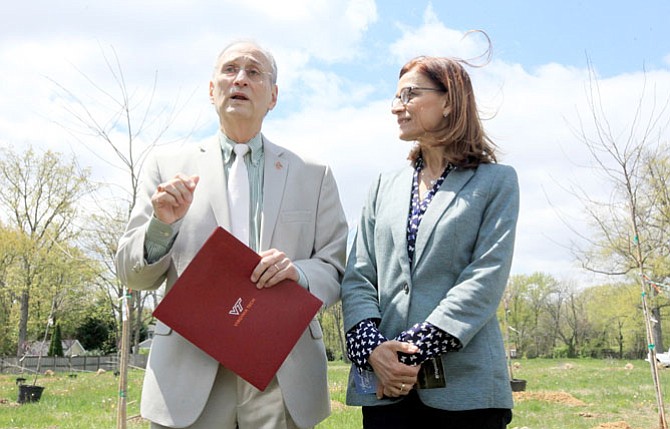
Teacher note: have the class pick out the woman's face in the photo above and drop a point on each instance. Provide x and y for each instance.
(420, 106)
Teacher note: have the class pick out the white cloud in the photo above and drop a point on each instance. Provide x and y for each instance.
(331, 106)
(434, 38)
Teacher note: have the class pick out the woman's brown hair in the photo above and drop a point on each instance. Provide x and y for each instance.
(465, 142)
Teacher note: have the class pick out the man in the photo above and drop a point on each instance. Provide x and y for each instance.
(294, 220)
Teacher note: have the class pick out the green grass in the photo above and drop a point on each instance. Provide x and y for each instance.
(88, 401)
(560, 394)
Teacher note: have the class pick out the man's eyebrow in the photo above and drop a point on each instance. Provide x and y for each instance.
(241, 60)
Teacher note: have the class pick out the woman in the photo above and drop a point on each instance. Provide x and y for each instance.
(429, 266)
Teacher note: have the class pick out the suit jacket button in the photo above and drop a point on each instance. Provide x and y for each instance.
(406, 288)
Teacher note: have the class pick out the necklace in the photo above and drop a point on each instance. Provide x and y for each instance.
(427, 178)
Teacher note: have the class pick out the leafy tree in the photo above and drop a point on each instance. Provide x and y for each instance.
(570, 321)
(527, 298)
(56, 345)
(613, 310)
(333, 336)
(97, 333)
(11, 243)
(40, 194)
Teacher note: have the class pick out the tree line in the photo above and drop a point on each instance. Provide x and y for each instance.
(59, 232)
(56, 267)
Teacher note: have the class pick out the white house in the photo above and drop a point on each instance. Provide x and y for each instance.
(41, 348)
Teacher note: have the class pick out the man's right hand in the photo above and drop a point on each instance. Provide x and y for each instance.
(173, 198)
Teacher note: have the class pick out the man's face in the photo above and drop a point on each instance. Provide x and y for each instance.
(241, 88)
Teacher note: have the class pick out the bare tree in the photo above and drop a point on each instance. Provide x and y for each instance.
(144, 125)
(624, 242)
(127, 124)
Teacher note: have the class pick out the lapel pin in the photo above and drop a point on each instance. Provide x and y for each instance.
(278, 165)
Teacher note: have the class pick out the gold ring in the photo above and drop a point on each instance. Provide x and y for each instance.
(276, 267)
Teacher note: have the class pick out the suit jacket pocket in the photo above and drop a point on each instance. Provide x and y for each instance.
(295, 216)
(315, 329)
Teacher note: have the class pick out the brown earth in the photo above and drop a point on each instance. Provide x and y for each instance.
(613, 425)
(557, 397)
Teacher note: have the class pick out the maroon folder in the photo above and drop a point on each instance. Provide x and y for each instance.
(216, 307)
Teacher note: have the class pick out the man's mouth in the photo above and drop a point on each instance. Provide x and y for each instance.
(239, 96)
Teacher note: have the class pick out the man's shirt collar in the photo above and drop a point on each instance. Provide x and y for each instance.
(255, 144)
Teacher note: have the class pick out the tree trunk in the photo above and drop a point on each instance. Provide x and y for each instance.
(657, 330)
(23, 321)
(337, 312)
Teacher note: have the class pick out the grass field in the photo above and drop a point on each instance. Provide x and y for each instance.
(560, 394)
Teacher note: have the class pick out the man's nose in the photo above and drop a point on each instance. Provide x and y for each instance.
(242, 76)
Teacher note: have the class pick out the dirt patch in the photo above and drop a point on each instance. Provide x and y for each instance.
(8, 403)
(136, 419)
(567, 399)
(613, 425)
(555, 397)
(337, 405)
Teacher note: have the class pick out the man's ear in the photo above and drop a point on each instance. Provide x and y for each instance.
(275, 92)
(211, 91)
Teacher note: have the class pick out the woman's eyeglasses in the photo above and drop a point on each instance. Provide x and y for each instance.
(409, 92)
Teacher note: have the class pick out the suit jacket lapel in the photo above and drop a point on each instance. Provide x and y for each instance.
(452, 184)
(274, 180)
(213, 182)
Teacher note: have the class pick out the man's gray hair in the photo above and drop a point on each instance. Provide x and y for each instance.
(265, 52)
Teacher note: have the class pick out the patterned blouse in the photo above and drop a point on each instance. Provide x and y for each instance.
(363, 338)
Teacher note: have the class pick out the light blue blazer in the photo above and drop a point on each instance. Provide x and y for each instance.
(461, 264)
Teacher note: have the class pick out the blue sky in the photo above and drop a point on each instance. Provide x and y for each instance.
(619, 36)
(338, 64)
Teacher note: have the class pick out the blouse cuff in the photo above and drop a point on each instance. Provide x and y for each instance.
(362, 339)
(431, 341)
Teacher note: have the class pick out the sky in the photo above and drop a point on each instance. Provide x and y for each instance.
(338, 64)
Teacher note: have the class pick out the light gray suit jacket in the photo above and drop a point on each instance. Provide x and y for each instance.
(302, 216)
(461, 264)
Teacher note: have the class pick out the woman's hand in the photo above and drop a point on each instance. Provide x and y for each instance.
(395, 379)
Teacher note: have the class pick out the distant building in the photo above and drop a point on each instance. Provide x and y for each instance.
(41, 348)
(146, 344)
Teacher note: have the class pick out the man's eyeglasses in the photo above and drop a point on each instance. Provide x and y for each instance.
(407, 94)
(253, 73)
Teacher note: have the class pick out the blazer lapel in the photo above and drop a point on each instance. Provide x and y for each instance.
(213, 181)
(452, 184)
(400, 207)
(274, 180)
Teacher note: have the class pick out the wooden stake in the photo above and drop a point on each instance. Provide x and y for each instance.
(662, 422)
(123, 362)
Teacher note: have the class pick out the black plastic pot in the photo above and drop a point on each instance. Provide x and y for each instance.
(518, 385)
(29, 393)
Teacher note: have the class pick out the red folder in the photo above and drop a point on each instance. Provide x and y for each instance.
(216, 307)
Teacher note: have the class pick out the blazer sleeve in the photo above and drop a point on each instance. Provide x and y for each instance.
(359, 291)
(325, 266)
(131, 265)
